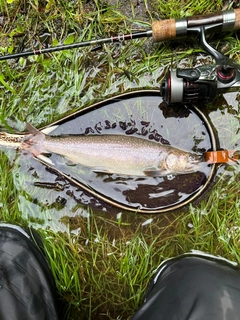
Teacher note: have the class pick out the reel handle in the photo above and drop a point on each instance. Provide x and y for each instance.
(171, 28)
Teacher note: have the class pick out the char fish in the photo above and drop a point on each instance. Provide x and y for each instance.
(114, 154)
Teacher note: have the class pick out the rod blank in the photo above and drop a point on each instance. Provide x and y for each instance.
(119, 38)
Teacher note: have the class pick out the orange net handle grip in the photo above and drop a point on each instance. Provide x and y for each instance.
(221, 156)
(172, 28)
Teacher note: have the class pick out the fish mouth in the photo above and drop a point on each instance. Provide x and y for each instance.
(194, 164)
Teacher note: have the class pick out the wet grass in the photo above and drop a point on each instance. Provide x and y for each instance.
(102, 264)
(173, 9)
(111, 273)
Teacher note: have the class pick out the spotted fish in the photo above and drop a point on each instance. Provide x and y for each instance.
(114, 154)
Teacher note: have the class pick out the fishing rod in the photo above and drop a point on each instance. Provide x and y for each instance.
(182, 85)
(161, 30)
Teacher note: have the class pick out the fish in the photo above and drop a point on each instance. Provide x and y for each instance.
(114, 154)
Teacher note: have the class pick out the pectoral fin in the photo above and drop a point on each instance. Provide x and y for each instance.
(45, 159)
(101, 170)
(69, 162)
(154, 172)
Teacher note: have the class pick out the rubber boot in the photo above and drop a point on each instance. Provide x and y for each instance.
(27, 289)
(193, 287)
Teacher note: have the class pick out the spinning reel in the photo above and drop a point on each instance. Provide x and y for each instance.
(203, 83)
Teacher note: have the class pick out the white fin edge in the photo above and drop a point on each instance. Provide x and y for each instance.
(49, 129)
(45, 159)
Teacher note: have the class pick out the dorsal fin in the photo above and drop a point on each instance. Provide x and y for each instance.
(31, 129)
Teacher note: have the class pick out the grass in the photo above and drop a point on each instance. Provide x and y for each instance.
(106, 267)
(173, 9)
(102, 261)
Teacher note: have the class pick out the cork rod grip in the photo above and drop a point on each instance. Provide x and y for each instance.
(164, 30)
(167, 29)
(237, 19)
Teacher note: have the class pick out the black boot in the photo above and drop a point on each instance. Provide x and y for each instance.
(193, 287)
(27, 289)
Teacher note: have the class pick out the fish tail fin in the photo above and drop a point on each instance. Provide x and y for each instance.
(33, 143)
